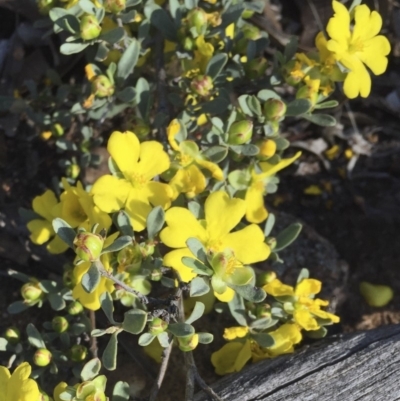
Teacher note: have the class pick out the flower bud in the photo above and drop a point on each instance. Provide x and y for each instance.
(188, 43)
(89, 27)
(202, 85)
(263, 311)
(271, 241)
(156, 275)
(157, 326)
(147, 248)
(42, 357)
(102, 87)
(197, 18)
(240, 132)
(45, 6)
(57, 130)
(68, 277)
(139, 127)
(114, 6)
(375, 294)
(246, 14)
(130, 258)
(274, 109)
(188, 343)
(12, 335)
(78, 353)
(31, 292)
(88, 246)
(256, 68)
(307, 93)
(75, 308)
(265, 278)
(72, 171)
(59, 324)
(267, 148)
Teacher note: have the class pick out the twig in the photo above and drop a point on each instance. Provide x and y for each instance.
(317, 17)
(161, 373)
(93, 340)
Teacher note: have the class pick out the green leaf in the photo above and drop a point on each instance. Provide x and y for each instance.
(198, 287)
(155, 221)
(124, 224)
(146, 339)
(263, 339)
(216, 65)
(269, 224)
(87, 6)
(231, 15)
(243, 103)
(254, 105)
(98, 332)
(266, 94)
(216, 153)
(291, 48)
(68, 23)
(164, 339)
(91, 279)
(287, 236)
(249, 292)
(239, 179)
(120, 392)
(249, 150)
(205, 338)
(197, 266)
(298, 107)
(64, 231)
(34, 337)
(134, 321)
(263, 323)
(316, 334)
(197, 312)
(324, 120)
(327, 105)
(113, 36)
(238, 310)
(216, 106)
(161, 20)
(56, 301)
(281, 143)
(91, 369)
(143, 96)
(127, 95)
(304, 274)
(107, 305)
(17, 307)
(197, 248)
(128, 60)
(181, 329)
(109, 357)
(72, 48)
(118, 244)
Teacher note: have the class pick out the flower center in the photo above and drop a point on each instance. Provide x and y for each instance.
(213, 245)
(356, 46)
(185, 160)
(138, 180)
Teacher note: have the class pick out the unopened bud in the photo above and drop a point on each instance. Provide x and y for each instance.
(114, 6)
(88, 246)
(45, 6)
(89, 27)
(274, 109)
(265, 278)
(240, 132)
(263, 311)
(147, 248)
(42, 357)
(267, 148)
(271, 241)
(188, 43)
(57, 130)
(12, 335)
(68, 278)
(59, 324)
(75, 308)
(256, 68)
(102, 86)
(197, 18)
(72, 171)
(156, 275)
(43, 396)
(31, 292)
(202, 85)
(307, 93)
(78, 353)
(157, 326)
(188, 343)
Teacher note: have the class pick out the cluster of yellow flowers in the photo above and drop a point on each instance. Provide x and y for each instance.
(352, 45)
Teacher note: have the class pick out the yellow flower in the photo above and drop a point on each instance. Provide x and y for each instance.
(306, 308)
(60, 388)
(46, 206)
(231, 357)
(79, 210)
(189, 179)
(92, 300)
(231, 333)
(255, 209)
(18, 386)
(203, 53)
(134, 190)
(222, 214)
(356, 45)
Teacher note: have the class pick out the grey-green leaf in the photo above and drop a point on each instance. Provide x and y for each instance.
(91, 279)
(91, 369)
(128, 60)
(197, 266)
(72, 48)
(118, 244)
(64, 231)
(134, 321)
(287, 236)
(264, 339)
(197, 312)
(146, 339)
(298, 107)
(269, 224)
(324, 120)
(205, 338)
(181, 329)
(124, 224)
(120, 392)
(198, 287)
(109, 357)
(197, 248)
(107, 305)
(216, 65)
(238, 310)
(34, 337)
(155, 221)
(249, 292)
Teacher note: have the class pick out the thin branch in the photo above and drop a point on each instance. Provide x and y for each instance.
(93, 340)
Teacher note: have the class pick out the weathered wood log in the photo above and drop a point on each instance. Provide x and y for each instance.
(359, 366)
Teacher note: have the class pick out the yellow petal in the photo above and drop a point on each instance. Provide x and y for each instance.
(172, 130)
(189, 180)
(338, 27)
(158, 194)
(138, 208)
(308, 287)
(271, 169)
(56, 246)
(356, 83)
(124, 148)
(231, 357)
(255, 209)
(213, 168)
(226, 296)
(20, 387)
(60, 388)
(248, 244)
(174, 259)
(231, 333)
(41, 231)
(4, 378)
(181, 225)
(367, 24)
(43, 204)
(276, 288)
(223, 213)
(153, 160)
(305, 320)
(374, 53)
(110, 193)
